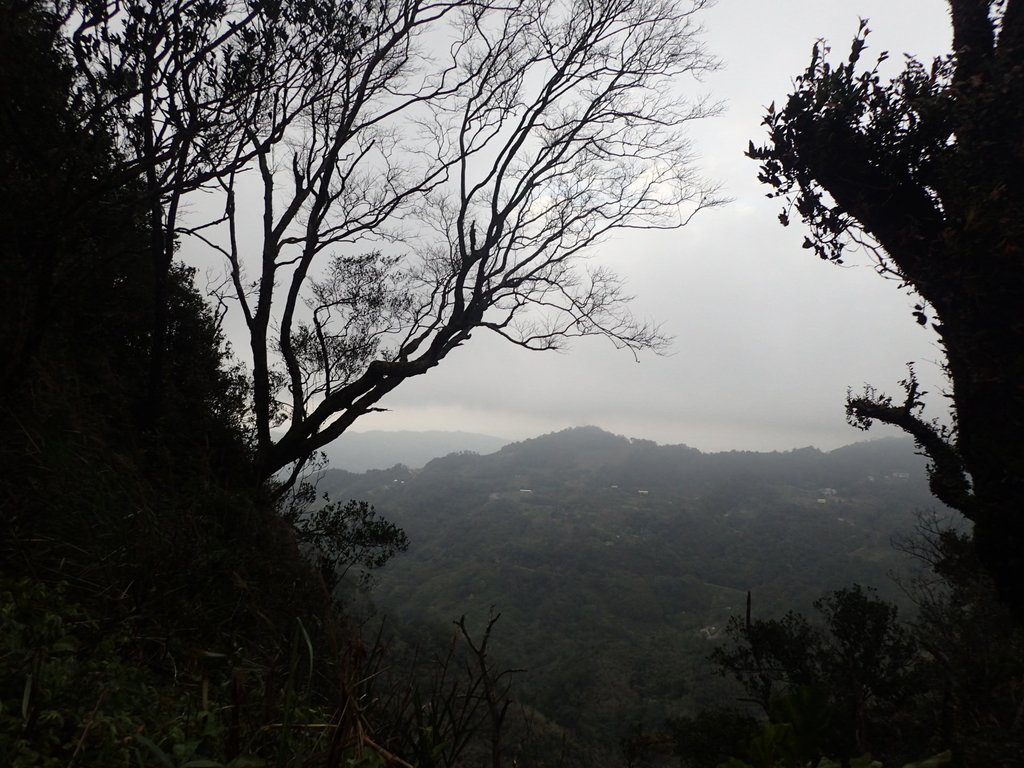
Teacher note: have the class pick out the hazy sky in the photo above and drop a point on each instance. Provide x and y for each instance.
(767, 337)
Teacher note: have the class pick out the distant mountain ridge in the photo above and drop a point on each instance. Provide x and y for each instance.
(614, 459)
(382, 449)
(379, 449)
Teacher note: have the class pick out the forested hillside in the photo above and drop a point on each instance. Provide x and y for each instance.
(617, 563)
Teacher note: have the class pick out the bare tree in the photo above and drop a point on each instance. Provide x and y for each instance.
(494, 686)
(444, 168)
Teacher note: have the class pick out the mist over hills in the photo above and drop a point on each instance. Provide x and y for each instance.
(591, 452)
(382, 449)
(377, 449)
(616, 562)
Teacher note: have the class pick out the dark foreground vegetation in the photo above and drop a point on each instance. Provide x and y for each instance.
(173, 594)
(159, 605)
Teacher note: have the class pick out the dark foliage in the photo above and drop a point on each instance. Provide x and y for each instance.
(839, 686)
(927, 171)
(710, 738)
(345, 535)
(772, 656)
(975, 653)
(154, 606)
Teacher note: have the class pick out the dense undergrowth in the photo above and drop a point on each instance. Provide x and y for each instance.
(156, 610)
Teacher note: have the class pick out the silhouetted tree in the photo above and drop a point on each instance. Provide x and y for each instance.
(168, 83)
(121, 548)
(418, 170)
(435, 168)
(927, 172)
(771, 656)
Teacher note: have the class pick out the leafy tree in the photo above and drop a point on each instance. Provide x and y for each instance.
(835, 687)
(869, 665)
(926, 172)
(770, 656)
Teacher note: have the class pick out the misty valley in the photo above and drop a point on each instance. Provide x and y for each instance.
(616, 564)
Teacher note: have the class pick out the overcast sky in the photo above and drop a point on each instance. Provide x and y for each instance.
(767, 338)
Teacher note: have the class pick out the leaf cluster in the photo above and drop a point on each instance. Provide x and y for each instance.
(341, 536)
(901, 126)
